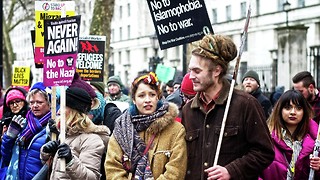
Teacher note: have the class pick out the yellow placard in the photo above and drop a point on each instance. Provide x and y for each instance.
(21, 76)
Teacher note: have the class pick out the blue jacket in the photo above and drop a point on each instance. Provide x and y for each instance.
(29, 159)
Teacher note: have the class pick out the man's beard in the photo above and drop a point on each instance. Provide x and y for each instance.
(309, 98)
(115, 94)
(248, 89)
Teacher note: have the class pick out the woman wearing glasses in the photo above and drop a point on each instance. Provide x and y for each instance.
(22, 141)
(14, 104)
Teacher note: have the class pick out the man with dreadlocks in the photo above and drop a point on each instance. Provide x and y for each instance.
(246, 147)
(147, 143)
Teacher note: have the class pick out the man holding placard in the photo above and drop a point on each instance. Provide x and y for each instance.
(246, 147)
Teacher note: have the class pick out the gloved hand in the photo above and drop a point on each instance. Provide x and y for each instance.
(64, 151)
(16, 125)
(50, 147)
(53, 127)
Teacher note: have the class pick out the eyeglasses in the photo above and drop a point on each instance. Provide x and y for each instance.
(16, 102)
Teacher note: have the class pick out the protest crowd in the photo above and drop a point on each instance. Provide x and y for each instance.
(163, 130)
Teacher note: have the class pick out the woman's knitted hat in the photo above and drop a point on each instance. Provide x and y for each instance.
(78, 99)
(79, 83)
(14, 94)
(187, 85)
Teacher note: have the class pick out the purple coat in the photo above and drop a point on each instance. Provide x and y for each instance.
(279, 166)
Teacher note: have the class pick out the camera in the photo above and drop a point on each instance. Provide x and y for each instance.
(5, 121)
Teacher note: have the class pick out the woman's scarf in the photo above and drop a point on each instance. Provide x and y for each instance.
(296, 147)
(126, 131)
(13, 171)
(34, 126)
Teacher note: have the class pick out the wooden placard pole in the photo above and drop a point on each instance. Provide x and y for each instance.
(62, 122)
(53, 109)
(63, 110)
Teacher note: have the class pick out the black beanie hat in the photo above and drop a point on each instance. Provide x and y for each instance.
(253, 75)
(78, 99)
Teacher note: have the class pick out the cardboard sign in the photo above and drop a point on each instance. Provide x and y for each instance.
(45, 10)
(60, 50)
(179, 21)
(21, 76)
(165, 73)
(90, 61)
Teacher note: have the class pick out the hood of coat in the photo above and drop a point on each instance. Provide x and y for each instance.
(167, 119)
(101, 130)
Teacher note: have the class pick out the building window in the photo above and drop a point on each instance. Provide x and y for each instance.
(84, 24)
(165, 54)
(129, 10)
(120, 33)
(112, 35)
(145, 54)
(280, 5)
(90, 6)
(177, 51)
(243, 6)
(258, 7)
(214, 16)
(129, 29)
(301, 3)
(119, 58)
(120, 12)
(128, 56)
(228, 12)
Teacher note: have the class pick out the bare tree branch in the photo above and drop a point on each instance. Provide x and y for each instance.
(11, 12)
(28, 18)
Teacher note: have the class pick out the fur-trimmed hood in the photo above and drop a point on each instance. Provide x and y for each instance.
(167, 119)
(101, 130)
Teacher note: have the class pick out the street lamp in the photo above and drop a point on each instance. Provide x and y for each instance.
(274, 54)
(155, 60)
(286, 8)
(155, 44)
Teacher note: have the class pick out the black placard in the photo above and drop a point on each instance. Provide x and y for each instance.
(179, 21)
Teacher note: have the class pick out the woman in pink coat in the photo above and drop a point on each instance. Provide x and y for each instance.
(293, 135)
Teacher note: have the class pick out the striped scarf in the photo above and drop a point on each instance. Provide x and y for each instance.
(126, 131)
(33, 127)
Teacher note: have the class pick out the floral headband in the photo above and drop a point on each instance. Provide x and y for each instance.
(150, 78)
